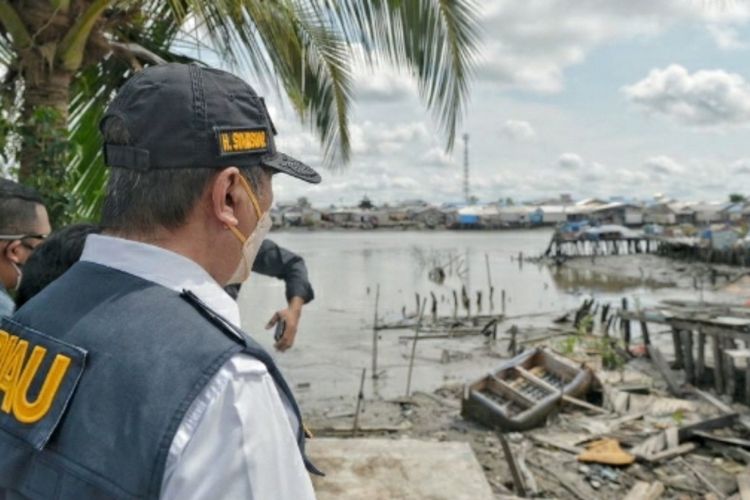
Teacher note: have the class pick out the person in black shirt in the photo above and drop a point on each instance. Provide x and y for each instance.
(63, 249)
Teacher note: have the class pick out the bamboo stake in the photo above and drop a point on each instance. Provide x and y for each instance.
(375, 335)
(360, 398)
(489, 282)
(414, 348)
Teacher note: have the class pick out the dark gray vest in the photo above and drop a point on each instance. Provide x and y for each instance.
(119, 361)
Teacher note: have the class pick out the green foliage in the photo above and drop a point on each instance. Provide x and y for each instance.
(586, 325)
(47, 134)
(737, 198)
(611, 359)
(679, 417)
(568, 344)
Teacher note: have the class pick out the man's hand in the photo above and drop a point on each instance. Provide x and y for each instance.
(290, 316)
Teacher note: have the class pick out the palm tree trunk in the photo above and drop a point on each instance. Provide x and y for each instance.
(45, 89)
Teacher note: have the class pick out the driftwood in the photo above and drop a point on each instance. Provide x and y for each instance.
(645, 491)
(661, 364)
(518, 485)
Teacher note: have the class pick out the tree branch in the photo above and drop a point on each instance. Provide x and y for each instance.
(71, 49)
(12, 22)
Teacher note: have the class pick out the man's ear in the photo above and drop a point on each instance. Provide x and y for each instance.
(14, 252)
(225, 191)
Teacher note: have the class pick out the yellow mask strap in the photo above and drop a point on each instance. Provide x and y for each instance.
(256, 206)
(252, 197)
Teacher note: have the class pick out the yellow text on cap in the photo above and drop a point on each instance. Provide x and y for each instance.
(243, 141)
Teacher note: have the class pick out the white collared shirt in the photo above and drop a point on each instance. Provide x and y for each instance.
(237, 439)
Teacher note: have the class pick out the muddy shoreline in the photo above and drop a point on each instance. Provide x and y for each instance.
(556, 473)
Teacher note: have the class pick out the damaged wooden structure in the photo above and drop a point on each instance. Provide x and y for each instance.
(522, 392)
(711, 343)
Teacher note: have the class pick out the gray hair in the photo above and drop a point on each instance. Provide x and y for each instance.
(141, 202)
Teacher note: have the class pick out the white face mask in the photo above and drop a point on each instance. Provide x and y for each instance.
(250, 244)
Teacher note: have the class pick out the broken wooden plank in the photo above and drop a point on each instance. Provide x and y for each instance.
(744, 443)
(670, 453)
(518, 485)
(686, 432)
(544, 441)
(661, 364)
(702, 478)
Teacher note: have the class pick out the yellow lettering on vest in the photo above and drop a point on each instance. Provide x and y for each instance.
(25, 411)
(4, 341)
(10, 373)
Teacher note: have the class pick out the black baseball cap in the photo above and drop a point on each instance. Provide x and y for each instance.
(191, 116)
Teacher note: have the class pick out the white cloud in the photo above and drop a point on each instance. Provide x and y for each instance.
(382, 84)
(663, 165)
(436, 157)
(570, 161)
(518, 130)
(741, 167)
(530, 43)
(707, 98)
(726, 37)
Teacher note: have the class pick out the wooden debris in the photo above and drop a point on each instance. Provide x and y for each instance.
(743, 483)
(645, 491)
(702, 478)
(518, 485)
(544, 441)
(671, 453)
(661, 364)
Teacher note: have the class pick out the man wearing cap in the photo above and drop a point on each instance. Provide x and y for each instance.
(23, 225)
(140, 382)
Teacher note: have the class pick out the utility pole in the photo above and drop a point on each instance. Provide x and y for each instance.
(466, 168)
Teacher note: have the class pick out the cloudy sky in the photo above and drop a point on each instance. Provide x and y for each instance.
(587, 97)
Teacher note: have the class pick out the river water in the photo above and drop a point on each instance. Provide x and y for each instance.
(334, 342)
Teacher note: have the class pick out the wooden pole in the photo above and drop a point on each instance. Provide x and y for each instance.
(360, 399)
(455, 305)
(677, 345)
(644, 333)
(689, 360)
(502, 298)
(718, 364)
(414, 348)
(518, 486)
(489, 282)
(625, 325)
(700, 366)
(375, 335)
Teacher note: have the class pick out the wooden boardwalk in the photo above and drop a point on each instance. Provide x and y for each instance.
(703, 335)
(584, 247)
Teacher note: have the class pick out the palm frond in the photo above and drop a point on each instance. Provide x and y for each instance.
(436, 39)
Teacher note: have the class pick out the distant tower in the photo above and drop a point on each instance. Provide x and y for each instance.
(466, 168)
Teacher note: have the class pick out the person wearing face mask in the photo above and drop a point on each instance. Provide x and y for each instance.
(143, 384)
(23, 225)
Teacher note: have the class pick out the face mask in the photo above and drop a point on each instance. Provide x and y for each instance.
(250, 244)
